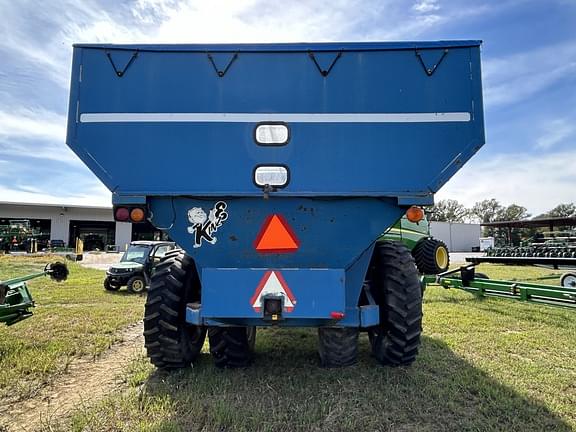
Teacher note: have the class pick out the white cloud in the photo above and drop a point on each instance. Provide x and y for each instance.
(32, 123)
(538, 182)
(515, 78)
(97, 197)
(425, 6)
(555, 132)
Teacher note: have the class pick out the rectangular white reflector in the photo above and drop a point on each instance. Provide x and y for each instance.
(271, 134)
(271, 175)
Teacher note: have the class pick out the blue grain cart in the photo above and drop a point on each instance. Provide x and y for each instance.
(276, 168)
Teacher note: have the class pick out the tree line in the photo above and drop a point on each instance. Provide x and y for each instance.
(491, 210)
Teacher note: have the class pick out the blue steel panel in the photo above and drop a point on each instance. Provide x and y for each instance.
(369, 315)
(227, 293)
(361, 159)
(332, 232)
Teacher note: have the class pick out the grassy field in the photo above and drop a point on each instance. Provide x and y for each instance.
(485, 365)
(73, 318)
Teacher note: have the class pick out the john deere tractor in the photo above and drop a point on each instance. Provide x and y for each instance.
(431, 255)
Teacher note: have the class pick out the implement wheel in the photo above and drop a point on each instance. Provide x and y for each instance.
(170, 341)
(395, 286)
(232, 347)
(431, 256)
(568, 280)
(338, 347)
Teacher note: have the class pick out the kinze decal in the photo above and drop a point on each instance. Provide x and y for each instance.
(204, 226)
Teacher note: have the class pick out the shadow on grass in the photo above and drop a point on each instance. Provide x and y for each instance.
(286, 390)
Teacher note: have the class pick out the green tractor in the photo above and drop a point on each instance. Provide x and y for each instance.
(15, 298)
(431, 255)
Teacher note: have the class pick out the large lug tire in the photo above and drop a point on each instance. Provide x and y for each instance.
(109, 286)
(395, 286)
(232, 347)
(338, 347)
(136, 284)
(431, 256)
(171, 342)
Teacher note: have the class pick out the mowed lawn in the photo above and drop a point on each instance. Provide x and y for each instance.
(72, 318)
(484, 365)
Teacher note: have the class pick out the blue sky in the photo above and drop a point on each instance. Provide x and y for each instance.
(529, 70)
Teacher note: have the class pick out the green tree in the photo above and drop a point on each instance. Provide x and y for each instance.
(448, 211)
(489, 210)
(561, 210)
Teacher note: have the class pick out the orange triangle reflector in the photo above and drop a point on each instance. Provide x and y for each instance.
(276, 236)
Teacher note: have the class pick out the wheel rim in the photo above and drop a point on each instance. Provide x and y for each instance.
(569, 281)
(441, 257)
(138, 285)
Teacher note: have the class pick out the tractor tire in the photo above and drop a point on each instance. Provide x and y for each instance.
(109, 286)
(232, 347)
(338, 347)
(395, 286)
(172, 343)
(431, 256)
(136, 284)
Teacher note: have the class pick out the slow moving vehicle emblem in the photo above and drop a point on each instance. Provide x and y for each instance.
(204, 226)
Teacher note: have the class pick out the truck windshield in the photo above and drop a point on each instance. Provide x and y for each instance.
(136, 253)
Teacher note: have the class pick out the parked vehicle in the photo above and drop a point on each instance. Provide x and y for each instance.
(136, 266)
(284, 165)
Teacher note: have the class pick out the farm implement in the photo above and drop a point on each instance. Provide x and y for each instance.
(285, 165)
(15, 299)
(467, 279)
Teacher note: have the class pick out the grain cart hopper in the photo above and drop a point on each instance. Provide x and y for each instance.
(15, 298)
(276, 168)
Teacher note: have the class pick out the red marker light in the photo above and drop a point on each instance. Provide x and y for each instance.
(337, 315)
(122, 214)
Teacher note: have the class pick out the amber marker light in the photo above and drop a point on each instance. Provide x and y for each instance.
(137, 215)
(415, 214)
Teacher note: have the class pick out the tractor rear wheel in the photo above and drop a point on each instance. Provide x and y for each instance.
(171, 342)
(232, 347)
(338, 347)
(395, 286)
(431, 256)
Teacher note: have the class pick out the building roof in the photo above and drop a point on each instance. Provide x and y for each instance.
(534, 223)
(11, 203)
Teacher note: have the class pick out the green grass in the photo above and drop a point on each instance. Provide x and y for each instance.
(484, 365)
(73, 318)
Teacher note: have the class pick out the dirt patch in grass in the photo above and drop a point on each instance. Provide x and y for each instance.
(85, 382)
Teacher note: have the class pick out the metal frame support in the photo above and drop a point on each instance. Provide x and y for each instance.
(523, 291)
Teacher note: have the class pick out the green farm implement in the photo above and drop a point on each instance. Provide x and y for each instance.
(465, 278)
(15, 298)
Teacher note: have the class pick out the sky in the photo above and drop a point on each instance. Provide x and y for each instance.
(528, 62)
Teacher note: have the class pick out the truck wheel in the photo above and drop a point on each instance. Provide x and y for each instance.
(170, 341)
(232, 347)
(431, 256)
(395, 286)
(568, 280)
(338, 347)
(136, 284)
(109, 286)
